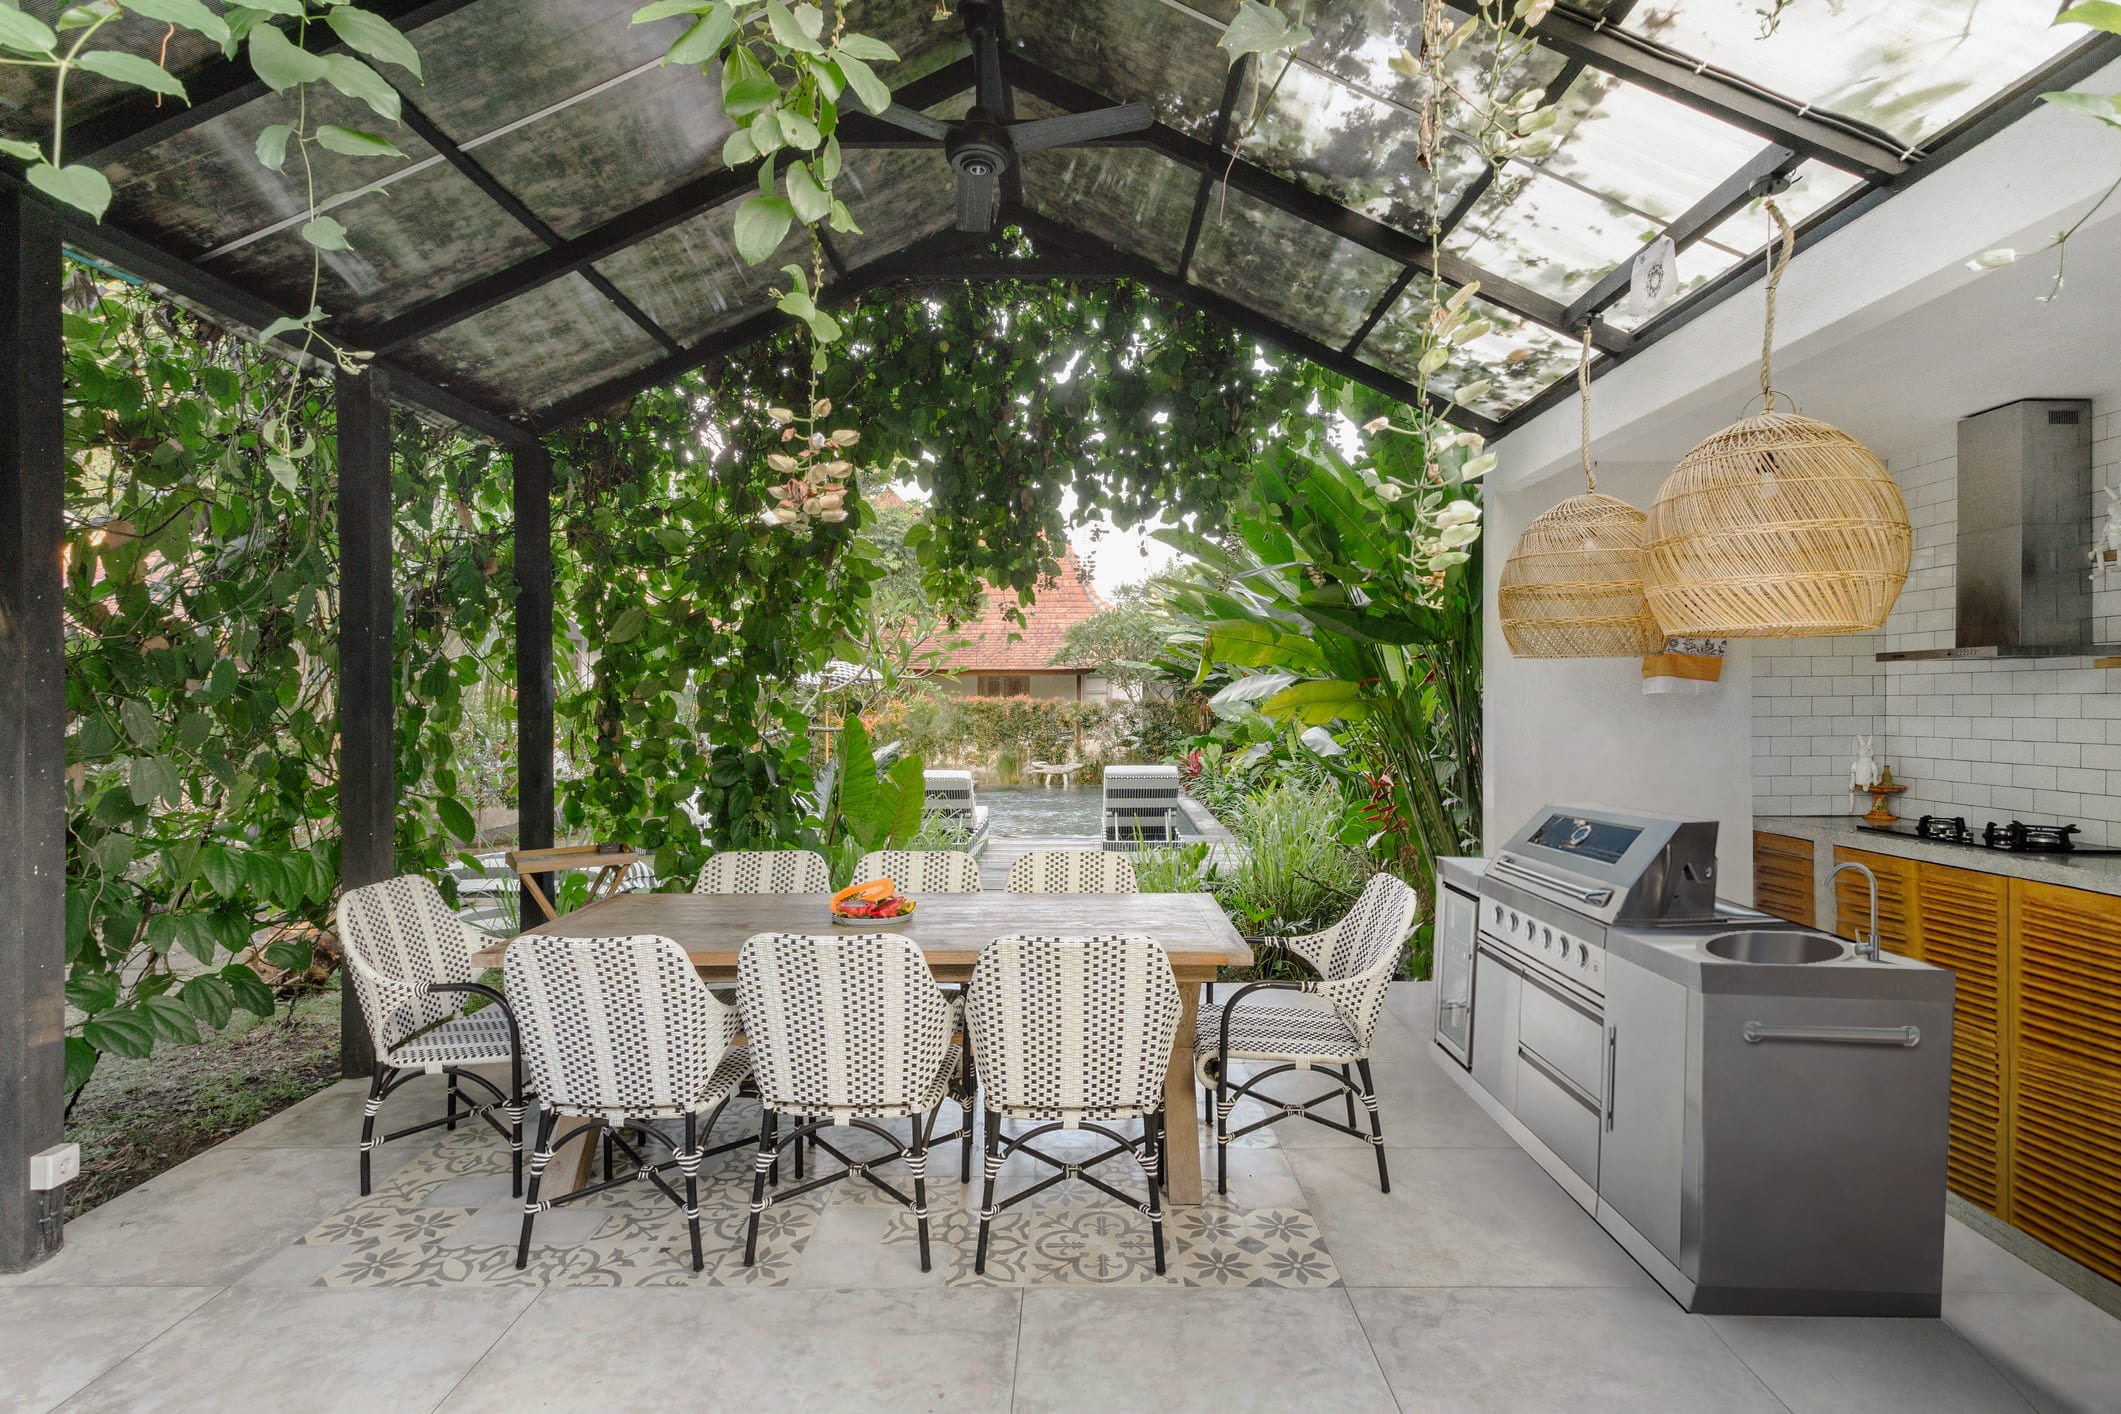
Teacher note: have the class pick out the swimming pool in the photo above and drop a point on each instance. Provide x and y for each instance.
(1062, 810)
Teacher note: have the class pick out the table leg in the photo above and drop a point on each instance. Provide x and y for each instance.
(575, 1167)
(1181, 1114)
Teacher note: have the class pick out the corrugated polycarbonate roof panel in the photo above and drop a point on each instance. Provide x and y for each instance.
(536, 349)
(691, 281)
(1293, 272)
(1139, 201)
(1127, 50)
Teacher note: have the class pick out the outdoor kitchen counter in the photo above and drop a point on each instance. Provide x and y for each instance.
(1679, 955)
(2098, 874)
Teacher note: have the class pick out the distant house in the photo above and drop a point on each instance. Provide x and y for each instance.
(996, 658)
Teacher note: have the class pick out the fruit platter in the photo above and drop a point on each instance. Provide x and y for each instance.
(875, 904)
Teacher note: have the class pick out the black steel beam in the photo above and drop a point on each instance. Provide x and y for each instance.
(629, 228)
(32, 727)
(220, 87)
(366, 681)
(1300, 201)
(1854, 146)
(1218, 138)
(532, 492)
(518, 209)
(1729, 197)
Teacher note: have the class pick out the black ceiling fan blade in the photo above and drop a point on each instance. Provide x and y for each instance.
(975, 200)
(1070, 129)
(900, 116)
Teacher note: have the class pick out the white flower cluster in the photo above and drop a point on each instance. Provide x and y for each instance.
(815, 488)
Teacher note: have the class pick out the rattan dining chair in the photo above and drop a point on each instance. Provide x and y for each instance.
(1354, 960)
(1072, 871)
(765, 871)
(922, 871)
(1073, 1034)
(620, 1032)
(846, 1031)
(410, 960)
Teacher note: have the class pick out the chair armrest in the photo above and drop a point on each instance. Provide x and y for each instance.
(1222, 1040)
(492, 994)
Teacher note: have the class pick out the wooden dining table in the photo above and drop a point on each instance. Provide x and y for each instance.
(950, 929)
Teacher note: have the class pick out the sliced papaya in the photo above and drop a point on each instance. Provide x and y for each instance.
(873, 891)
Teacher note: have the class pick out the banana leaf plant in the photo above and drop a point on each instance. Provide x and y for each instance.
(871, 799)
(1342, 608)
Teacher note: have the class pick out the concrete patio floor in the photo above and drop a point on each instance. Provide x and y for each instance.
(1475, 1285)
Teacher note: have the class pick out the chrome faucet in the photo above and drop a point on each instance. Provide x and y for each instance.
(1866, 945)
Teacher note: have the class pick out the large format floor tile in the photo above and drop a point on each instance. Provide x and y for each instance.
(1168, 1349)
(1417, 1104)
(1974, 1263)
(1505, 1350)
(1824, 1364)
(310, 1350)
(52, 1342)
(1456, 1217)
(2061, 1351)
(753, 1349)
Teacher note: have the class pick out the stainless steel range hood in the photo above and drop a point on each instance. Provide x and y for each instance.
(2025, 527)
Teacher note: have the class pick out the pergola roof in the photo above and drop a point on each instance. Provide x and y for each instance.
(561, 234)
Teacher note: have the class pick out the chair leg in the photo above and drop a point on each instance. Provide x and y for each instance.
(452, 1125)
(368, 1120)
(515, 1129)
(917, 1164)
(1377, 1128)
(547, 1122)
(986, 1205)
(1222, 1126)
(607, 1155)
(691, 1166)
(1152, 1164)
(1349, 1095)
(760, 1165)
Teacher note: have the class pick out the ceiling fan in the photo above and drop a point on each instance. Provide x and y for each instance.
(984, 144)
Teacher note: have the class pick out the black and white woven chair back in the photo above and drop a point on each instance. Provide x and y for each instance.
(1356, 957)
(1072, 871)
(619, 1027)
(922, 871)
(765, 871)
(847, 1026)
(399, 937)
(1073, 1028)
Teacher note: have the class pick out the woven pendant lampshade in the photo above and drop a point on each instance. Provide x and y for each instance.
(1779, 526)
(1573, 586)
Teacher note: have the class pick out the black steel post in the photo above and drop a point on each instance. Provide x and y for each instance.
(32, 729)
(533, 554)
(368, 781)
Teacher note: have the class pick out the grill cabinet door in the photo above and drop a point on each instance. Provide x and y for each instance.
(1640, 1158)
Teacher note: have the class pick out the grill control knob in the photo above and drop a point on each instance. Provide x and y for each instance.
(1583, 954)
(1514, 920)
(1547, 936)
(1497, 915)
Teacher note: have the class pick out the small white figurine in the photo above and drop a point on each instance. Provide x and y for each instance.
(1864, 771)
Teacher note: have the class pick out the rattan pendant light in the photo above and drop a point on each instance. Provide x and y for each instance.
(1573, 586)
(1779, 526)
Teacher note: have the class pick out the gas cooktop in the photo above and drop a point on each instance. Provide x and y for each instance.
(2016, 837)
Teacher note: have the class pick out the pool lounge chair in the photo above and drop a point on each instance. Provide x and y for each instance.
(950, 794)
(1141, 805)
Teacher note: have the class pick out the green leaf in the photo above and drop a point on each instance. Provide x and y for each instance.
(627, 626)
(272, 146)
(456, 819)
(664, 9)
(81, 1058)
(211, 1000)
(278, 63)
(139, 722)
(866, 48)
(154, 777)
(91, 991)
(325, 234)
(1319, 702)
(354, 142)
(703, 42)
(290, 955)
(249, 989)
(909, 798)
(219, 867)
(185, 14)
(787, 32)
(745, 93)
(1375, 628)
(356, 80)
(2099, 14)
(285, 325)
(1257, 645)
(761, 223)
(27, 151)
(800, 131)
(121, 67)
(172, 1020)
(804, 194)
(129, 1033)
(83, 188)
(25, 34)
(1254, 29)
(873, 91)
(371, 34)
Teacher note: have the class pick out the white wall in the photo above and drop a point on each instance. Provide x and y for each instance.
(1581, 731)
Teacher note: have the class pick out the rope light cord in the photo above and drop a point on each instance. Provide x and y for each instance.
(1787, 237)
(1583, 390)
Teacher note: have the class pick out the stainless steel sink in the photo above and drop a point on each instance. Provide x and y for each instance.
(1779, 948)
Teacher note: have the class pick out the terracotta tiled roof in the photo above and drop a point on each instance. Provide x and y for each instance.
(1059, 606)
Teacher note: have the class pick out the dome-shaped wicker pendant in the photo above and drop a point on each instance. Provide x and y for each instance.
(1573, 586)
(1779, 526)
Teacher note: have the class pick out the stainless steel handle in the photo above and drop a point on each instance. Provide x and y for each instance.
(1755, 1032)
(1597, 898)
(1612, 1072)
(1450, 1006)
(1501, 960)
(1547, 1068)
(1576, 1004)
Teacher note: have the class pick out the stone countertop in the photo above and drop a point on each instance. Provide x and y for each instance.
(2098, 874)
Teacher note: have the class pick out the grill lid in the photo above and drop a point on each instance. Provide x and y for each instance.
(1620, 867)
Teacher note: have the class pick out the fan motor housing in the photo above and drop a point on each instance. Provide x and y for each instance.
(978, 146)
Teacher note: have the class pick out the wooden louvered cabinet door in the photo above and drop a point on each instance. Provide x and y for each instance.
(1977, 1166)
(1964, 922)
(2064, 1010)
(1897, 931)
(1782, 876)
